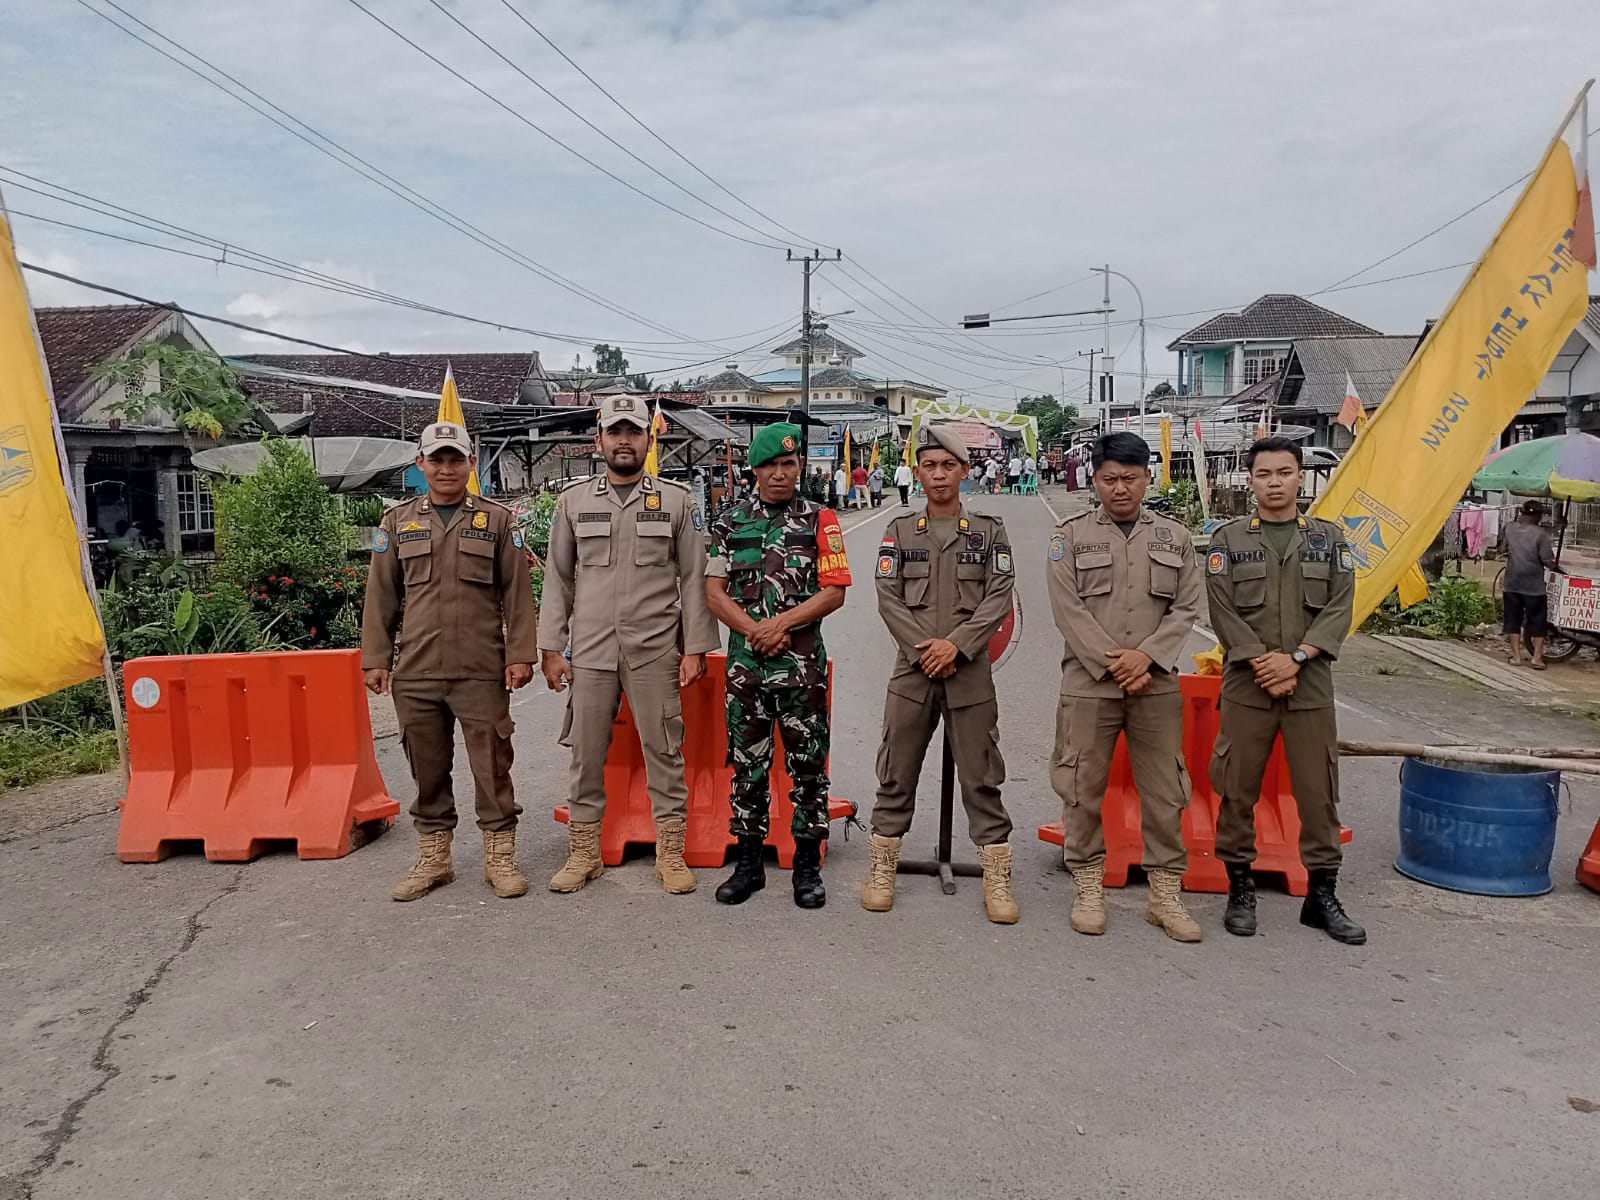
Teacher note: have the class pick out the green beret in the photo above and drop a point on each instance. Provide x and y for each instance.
(773, 440)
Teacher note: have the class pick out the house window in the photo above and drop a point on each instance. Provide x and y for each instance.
(1258, 364)
(196, 514)
(1197, 373)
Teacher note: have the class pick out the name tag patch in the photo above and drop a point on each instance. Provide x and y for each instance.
(913, 556)
(655, 516)
(1316, 555)
(593, 516)
(480, 535)
(1091, 547)
(1249, 556)
(971, 558)
(414, 535)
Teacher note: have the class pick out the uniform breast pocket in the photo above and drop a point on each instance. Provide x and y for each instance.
(744, 583)
(916, 578)
(416, 559)
(1164, 567)
(475, 561)
(1094, 572)
(1315, 583)
(1249, 584)
(594, 543)
(970, 578)
(652, 543)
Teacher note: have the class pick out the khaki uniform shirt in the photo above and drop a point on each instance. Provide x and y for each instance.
(956, 586)
(625, 579)
(1260, 602)
(464, 587)
(1114, 592)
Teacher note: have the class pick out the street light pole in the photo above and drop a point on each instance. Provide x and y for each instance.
(1142, 365)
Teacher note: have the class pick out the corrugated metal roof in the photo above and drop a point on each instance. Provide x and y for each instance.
(1277, 316)
(1314, 376)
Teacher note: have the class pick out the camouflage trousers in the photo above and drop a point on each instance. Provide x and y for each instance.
(800, 715)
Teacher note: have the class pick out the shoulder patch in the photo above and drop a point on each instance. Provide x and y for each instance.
(1216, 562)
(380, 541)
(1347, 560)
(1002, 559)
(695, 517)
(1058, 548)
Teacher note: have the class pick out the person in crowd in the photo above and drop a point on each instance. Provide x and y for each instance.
(902, 482)
(875, 486)
(1526, 544)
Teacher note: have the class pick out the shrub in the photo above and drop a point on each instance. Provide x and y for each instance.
(281, 521)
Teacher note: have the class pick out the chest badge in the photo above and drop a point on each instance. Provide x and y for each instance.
(653, 501)
(1216, 562)
(412, 526)
(480, 520)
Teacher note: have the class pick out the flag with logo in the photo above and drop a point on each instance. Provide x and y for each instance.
(50, 637)
(450, 410)
(1166, 451)
(1476, 368)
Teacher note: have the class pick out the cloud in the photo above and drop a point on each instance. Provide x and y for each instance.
(963, 154)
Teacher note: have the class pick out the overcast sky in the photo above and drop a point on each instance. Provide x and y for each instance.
(966, 155)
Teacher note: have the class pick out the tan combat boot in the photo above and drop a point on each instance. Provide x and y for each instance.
(878, 894)
(583, 858)
(500, 864)
(998, 901)
(432, 868)
(1166, 907)
(1089, 905)
(674, 874)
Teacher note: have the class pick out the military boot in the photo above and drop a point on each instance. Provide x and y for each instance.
(432, 868)
(1323, 911)
(1166, 906)
(1239, 918)
(998, 902)
(500, 863)
(1089, 905)
(674, 874)
(583, 858)
(749, 872)
(878, 895)
(807, 874)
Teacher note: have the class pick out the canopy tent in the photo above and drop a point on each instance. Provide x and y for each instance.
(1014, 423)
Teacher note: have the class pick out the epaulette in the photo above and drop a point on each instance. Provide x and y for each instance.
(575, 483)
(680, 485)
(484, 501)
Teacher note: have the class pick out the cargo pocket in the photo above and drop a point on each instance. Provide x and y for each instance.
(416, 558)
(916, 579)
(652, 543)
(1064, 758)
(594, 543)
(970, 581)
(672, 726)
(1094, 572)
(1164, 568)
(1221, 760)
(504, 752)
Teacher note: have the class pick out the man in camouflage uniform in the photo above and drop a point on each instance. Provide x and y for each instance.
(776, 566)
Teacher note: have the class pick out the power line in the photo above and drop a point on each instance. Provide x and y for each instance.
(301, 274)
(347, 158)
(769, 244)
(493, 49)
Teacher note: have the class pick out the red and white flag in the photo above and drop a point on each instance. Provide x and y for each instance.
(1352, 416)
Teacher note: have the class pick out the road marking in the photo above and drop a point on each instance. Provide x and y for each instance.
(871, 516)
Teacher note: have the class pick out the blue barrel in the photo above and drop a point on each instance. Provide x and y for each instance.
(1487, 829)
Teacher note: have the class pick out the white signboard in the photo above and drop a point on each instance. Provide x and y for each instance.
(1574, 601)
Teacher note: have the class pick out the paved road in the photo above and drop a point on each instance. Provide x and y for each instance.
(284, 1030)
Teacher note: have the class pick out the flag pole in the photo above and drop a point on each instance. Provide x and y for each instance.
(75, 507)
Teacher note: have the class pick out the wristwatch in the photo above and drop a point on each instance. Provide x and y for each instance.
(1301, 658)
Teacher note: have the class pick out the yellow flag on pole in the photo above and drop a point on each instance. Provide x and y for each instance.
(450, 410)
(50, 637)
(1466, 382)
(873, 465)
(652, 458)
(849, 463)
(1166, 451)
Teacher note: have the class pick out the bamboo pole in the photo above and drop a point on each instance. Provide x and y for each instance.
(1470, 754)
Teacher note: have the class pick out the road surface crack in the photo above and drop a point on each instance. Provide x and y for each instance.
(20, 1186)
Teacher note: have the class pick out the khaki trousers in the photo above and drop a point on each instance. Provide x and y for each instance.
(908, 726)
(1086, 735)
(428, 710)
(652, 691)
(1311, 747)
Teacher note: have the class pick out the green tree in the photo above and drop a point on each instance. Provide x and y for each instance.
(642, 382)
(192, 387)
(280, 521)
(609, 360)
(1162, 391)
(1052, 416)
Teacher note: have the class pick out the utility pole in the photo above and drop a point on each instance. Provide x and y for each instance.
(1142, 363)
(808, 264)
(1105, 355)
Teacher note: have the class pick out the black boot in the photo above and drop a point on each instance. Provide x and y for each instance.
(749, 872)
(1322, 909)
(1240, 917)
(808, 889)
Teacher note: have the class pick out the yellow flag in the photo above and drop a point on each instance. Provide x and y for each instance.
(49, 635)
(652, 458)
(1166, 451)
(873, 465)
(450, 410)
(1464, 385)
(849, 463)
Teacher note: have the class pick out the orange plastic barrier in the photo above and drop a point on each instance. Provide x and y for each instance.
(1277, 818)
(628, 817)
(235, 750)
(1589, 864)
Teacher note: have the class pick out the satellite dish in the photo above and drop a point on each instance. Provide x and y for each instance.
(343, 463)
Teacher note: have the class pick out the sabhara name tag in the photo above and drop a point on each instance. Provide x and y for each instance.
(480, 535)
(655, 516)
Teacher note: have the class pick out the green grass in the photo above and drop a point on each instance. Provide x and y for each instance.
(41, 752)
